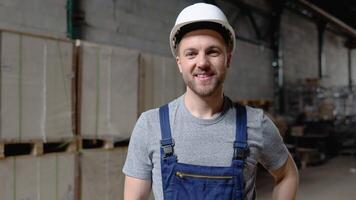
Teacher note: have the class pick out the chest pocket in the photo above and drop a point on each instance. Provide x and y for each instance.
(195, 185)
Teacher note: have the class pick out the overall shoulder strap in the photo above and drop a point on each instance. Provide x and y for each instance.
(241, 149)
(167, 142)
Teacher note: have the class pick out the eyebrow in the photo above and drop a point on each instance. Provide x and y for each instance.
(214, 47)
(189, 49)
(210, 47)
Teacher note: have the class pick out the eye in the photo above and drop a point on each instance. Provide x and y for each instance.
(190, 54)
(213, 52)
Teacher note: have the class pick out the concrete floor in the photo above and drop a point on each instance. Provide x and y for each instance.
(335, 179)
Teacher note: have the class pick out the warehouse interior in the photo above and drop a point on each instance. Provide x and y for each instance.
(75, 75)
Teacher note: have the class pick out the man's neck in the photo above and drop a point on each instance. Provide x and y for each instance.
(204, 107)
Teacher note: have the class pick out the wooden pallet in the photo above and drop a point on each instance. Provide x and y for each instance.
(35, 148)
(87, 143)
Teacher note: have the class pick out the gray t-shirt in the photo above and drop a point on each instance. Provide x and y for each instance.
(206, 142)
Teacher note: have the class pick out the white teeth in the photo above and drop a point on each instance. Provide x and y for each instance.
(202, 75)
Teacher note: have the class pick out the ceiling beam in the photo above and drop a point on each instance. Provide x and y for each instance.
(331, 19)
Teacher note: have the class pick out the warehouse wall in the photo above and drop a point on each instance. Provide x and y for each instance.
(300, 48)
(336, 61)
(250, 61)
(353, 66)
(300, 53)
(250, 74)
(239, 19)
(136, 24)
(141, 25)
(34, 16)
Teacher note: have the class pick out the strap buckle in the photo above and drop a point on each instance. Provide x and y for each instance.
(167, 147)
(241, 151)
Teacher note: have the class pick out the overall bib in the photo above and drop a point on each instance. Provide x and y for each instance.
(185, 181)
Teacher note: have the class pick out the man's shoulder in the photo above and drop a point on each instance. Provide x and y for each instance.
(149, 113)
(154, 112)
(255, 116)
(254, 111)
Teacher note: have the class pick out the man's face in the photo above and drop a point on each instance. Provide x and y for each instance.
(203, 61)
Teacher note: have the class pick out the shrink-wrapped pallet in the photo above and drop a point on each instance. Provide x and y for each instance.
(36, 76)
(45, 177)
(160, 81)
(109, 96)
(102, 176)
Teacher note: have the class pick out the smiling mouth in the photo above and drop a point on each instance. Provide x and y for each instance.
(203, 76)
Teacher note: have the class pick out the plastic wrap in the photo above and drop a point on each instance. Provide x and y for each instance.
(109, 105)
(36, 76)
(102, 177)
(45, 177)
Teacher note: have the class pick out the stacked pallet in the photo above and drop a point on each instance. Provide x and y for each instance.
(67, 112)
(37, 144)
(102, 177)
(109, 91)
(117, 84)
(36, 91)
(46, 177)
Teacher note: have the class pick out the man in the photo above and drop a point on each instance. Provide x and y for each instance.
(201, 145)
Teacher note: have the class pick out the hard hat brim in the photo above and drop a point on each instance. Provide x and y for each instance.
(184, 29)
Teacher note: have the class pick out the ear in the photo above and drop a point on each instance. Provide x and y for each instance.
(179, 64)
(228, 60)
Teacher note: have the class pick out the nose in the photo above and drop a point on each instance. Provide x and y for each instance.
(203, 61)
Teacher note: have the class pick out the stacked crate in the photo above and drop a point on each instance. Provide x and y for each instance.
(109, 91)
(102, 177)
(44, 177)
(117, 84)
(36, 133)
(36, 96)
(67, 113)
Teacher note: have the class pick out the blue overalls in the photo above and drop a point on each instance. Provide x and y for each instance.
(184, 181)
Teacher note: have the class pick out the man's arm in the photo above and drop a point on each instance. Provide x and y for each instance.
(287, 180)
(136, 189)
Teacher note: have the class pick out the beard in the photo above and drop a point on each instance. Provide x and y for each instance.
(204, 89)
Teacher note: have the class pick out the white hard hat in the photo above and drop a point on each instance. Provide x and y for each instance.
(201, 16)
